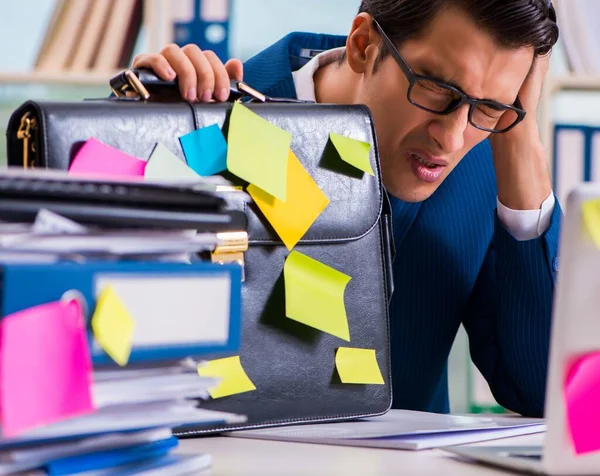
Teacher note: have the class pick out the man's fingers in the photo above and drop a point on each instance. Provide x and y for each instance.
(157, 63)
(235, 69)
(185, 70)
(221, 90)
(204, 73)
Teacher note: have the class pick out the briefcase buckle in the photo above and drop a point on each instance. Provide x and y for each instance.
(230, 248)
(126, 82)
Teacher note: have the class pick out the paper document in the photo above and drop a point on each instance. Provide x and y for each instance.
(125, 418)
(402, 429)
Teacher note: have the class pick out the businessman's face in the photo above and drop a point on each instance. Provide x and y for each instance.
(418, 149)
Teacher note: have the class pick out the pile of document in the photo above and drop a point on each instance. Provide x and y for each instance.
(104, 330)
(404, 430)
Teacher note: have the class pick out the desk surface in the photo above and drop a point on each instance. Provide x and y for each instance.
(237, 456)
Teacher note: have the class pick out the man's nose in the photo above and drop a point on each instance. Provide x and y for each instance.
(449, 131)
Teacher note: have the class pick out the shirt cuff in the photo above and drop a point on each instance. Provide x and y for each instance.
(527, 224)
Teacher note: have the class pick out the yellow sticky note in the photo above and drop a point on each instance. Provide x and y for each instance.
(314, 295)
(305, 202)
(354, 152)
(591, 217)
(113, 326)
(233, 377)
(358, 366)
(257, 151)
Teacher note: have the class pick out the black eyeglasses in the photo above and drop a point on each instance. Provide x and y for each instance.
(438, 97)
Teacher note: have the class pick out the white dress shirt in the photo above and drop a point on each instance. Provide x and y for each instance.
(521, 224)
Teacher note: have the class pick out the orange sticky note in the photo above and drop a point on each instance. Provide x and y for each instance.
(358, 366)
(582, 398)
(113, 326)
(233, 377)
(304, 203)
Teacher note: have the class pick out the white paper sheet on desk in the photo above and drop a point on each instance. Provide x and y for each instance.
(402, 429)
(152, 389)
(124, 418)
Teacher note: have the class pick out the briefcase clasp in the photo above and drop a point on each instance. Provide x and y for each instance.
(230, 248)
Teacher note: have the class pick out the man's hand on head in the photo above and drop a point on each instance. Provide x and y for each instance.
(522, 172)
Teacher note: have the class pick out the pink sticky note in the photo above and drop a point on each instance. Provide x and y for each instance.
(582, 396)
(45, 366)
(98, 159)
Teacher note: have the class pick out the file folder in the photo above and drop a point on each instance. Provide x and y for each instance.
(180, 310)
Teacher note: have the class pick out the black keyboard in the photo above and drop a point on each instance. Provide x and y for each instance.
(106, 192)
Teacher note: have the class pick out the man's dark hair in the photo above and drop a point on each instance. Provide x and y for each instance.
(512, 23)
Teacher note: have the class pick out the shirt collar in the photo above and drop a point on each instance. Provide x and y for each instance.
(304, 77)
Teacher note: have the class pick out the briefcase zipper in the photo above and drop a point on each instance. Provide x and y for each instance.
(230, 248)
(26, 128)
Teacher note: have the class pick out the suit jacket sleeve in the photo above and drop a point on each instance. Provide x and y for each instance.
(509, 316)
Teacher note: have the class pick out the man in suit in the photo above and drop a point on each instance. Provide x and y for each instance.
(453, 88)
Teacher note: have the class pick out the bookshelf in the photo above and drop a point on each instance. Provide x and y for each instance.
(93, 78)
(553, 86)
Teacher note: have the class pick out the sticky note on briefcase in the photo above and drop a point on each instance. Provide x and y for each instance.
(353, 152)
(205, 150)
(165, 165)
(314, 295)
(234, 379)
(358, 366)
(102, 160)
(257, 151)
(305, 202)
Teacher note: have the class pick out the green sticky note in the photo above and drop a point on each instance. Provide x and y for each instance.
(354, 152)
(314, 295)
(165, 165)
(257, 151)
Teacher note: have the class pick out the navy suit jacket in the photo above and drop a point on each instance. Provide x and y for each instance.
(455, 263)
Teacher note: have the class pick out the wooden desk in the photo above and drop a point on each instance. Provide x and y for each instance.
(237, 456)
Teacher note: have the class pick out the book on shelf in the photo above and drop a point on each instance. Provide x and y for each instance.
(580, 35)
(90, 36)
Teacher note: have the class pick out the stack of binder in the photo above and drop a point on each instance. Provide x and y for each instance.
(112, 291)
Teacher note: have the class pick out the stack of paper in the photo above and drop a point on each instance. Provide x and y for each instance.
(60, 415)
(402, 429)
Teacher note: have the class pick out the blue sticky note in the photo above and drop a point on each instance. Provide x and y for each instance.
(205, 150)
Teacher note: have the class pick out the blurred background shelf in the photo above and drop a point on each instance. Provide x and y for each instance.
(574, 83)
(72, 78)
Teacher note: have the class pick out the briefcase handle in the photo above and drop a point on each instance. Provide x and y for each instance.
(144, 83)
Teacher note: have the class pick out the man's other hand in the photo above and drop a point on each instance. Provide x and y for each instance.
(202, 76)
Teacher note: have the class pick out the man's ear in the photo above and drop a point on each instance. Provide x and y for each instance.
(362, 45)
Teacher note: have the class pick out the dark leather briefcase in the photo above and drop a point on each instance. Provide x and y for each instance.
(292, 365)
